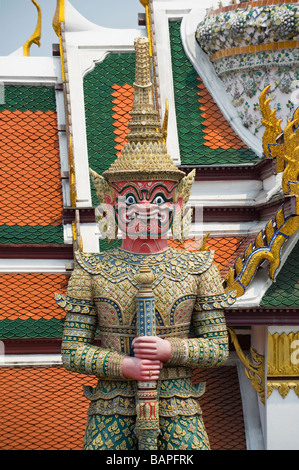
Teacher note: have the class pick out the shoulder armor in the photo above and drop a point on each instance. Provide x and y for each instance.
(118, 264)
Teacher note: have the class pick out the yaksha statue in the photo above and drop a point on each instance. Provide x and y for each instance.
(145, 297)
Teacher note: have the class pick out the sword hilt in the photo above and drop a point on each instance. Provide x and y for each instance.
(147, 406)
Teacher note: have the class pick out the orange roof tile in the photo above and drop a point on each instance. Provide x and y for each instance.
(25, 296)
(30, 181)
(123, 99)
(221, 407)
(218, 133)
(226, 249)
(44, 408)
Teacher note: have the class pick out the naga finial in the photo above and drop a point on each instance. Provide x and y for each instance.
(35, 37)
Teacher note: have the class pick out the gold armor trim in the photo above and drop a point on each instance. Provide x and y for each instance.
(112, 397)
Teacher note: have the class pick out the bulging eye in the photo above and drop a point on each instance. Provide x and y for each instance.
(130, 199)
(158, 200)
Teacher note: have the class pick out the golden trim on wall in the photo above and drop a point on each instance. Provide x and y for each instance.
(283, 355)
(254, 366)
(58, 20)
(283, 363)
(283, 387)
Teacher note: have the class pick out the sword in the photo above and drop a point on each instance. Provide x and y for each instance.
(147, 404)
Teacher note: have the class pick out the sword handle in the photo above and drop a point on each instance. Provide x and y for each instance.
(147, 404)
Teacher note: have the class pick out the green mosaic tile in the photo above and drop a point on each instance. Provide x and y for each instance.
(189, 120)
(31, 234)
(284, 292)
(115, 69)
(28, 97)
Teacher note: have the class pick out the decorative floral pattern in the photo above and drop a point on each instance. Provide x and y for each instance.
(248, 26)
(246, 83)
(245, 75)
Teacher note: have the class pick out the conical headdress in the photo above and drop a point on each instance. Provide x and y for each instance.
(144, 156)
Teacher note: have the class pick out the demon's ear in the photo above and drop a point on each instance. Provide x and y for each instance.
(184, 188)
(101, 185)
(183, 218)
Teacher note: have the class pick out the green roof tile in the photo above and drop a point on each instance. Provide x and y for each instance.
(48, 234)
(42, 328)
(115, 69)
(31, 328)
(193, 148)
(285, 291)
(28, 97)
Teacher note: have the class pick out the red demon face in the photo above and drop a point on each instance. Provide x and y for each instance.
(145, 209)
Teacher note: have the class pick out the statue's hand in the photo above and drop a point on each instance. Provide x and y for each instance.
(152, 347)
(143, 370)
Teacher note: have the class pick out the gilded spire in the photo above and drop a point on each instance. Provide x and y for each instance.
(144, 156)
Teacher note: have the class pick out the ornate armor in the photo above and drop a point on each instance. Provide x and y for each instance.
(188, 296)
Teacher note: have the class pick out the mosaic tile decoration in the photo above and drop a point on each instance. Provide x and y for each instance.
(251, 47)
(248, 25)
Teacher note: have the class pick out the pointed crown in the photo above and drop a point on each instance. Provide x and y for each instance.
(144, 156)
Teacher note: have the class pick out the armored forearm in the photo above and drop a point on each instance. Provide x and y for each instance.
(209, 348)
(78, 352)
(79, 355)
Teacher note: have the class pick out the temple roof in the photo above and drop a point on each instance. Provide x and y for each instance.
(28, 308)
(30, 186)
(50, 418)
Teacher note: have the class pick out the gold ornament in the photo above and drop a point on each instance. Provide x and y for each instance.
(282, 145)
(144, 156)
(291, 171)
(35, 37)
(254, 369)
(283, 360)
(283, 387)
(273, 128)
(266, 246)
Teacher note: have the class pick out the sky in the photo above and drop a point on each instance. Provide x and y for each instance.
(18, 20)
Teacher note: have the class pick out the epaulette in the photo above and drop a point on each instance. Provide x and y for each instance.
(118, 264)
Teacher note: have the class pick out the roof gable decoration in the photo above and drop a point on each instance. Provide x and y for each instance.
(239, 50)
(269, 242)
(251, 47)
(213, 82)
(36, 36)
